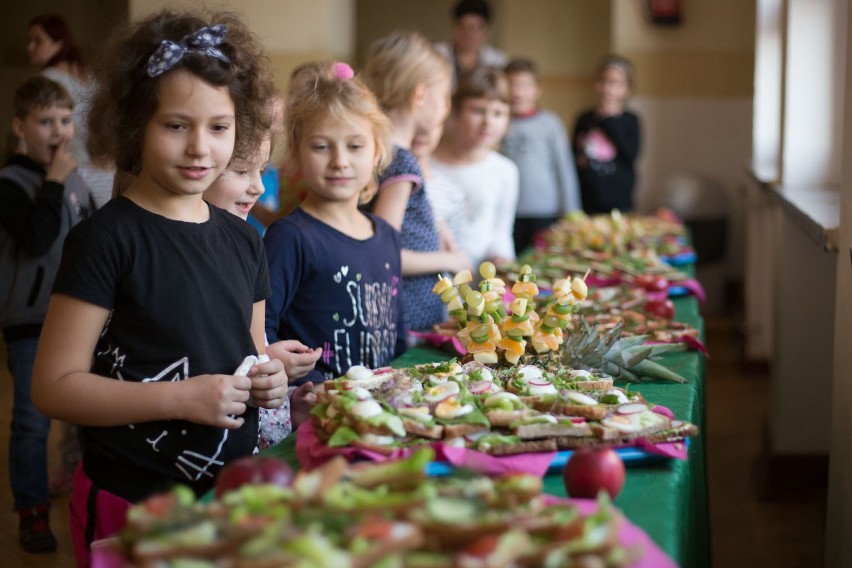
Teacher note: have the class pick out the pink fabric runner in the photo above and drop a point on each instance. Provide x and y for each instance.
(629, 535)
(312, 452)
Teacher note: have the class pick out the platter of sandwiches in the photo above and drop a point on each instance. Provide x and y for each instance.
(389, 514)
(495, 411)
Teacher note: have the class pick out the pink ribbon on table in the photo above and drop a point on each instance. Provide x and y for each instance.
(676, 450)
(312, 452)
(694, 287)
(533, 463)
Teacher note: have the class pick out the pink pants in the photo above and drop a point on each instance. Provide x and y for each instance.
(94, 514)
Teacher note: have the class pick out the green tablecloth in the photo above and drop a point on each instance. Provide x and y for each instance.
(668, 499)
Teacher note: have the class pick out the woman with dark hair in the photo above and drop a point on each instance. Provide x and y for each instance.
(51, 44)
(468, 49)
(52, 47)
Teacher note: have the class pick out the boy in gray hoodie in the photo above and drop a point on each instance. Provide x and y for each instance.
(41, 198)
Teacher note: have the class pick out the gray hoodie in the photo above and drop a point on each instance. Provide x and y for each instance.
(26, 277)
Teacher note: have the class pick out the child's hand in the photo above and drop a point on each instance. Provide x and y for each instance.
(301, 402)
(298, 358)
(216, 400)
(62, 163)
(268, 384)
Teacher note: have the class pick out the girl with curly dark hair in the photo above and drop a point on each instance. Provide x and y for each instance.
(160, 297)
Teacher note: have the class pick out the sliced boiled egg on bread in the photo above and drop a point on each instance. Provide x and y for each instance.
(619, 395)
(420, 413)
(361, 393)
(439, 392)
(626, 424)
(529, 373)
(541, 386)
(452, 408)
(359, 373)
(377, 439)
(366, 409)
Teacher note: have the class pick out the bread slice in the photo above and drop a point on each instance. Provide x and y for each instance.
(674, 434)
(524, 447)
(609, 433)
(567, 408)
(595, 385)
(536, 431)
(460, 430)
(415, 428)
(500, 418)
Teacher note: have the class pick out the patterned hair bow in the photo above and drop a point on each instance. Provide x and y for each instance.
(203, 41)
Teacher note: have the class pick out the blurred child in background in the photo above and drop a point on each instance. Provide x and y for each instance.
(411, 80)
(467, 156)
(41, 198)
(606, 141)
(538, 144)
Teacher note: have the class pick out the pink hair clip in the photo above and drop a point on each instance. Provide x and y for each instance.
(343, 71)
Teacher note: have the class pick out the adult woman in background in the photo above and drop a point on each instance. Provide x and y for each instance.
(52, 47)
(469, 48)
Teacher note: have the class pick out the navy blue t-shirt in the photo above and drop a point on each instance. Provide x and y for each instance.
(332, 291)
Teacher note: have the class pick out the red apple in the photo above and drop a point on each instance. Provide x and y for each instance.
(253, 469)
(590, 470)
(652, 282)
(660, 308)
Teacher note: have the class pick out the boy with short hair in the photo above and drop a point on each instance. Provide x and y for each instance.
(41, 198)
(538, 143)
(467, 157)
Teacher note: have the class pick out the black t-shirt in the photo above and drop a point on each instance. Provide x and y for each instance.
(181, 297)
(605, 150)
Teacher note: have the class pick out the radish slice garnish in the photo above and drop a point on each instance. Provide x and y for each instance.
(529, 373)
(544, 387)
(578, 419)
(621, 424)
(632, 408)
(480, 387)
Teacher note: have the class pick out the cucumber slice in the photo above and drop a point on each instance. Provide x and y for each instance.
(451, 511)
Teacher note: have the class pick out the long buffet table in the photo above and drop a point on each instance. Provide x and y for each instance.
(667, 499)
